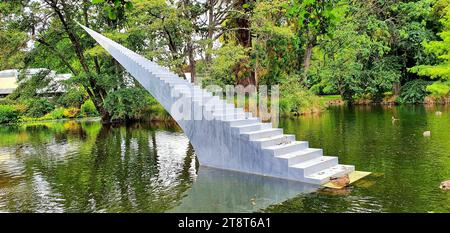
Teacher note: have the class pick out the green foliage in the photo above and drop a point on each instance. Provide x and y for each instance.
(441, 49)
(296, 100)
(7, 101)
(8, 114)
(13, 40)
(126, 103)
(228, 57)
(88, 109)
(357, 49)
(369, 51)
(414, 92)
(29, 86)
(115, 9)
(73, 97)
(164, 29)
(379, 77)
(439, 89)
(38, 107)
(58, 113)
(276, 51)
(71, 112)
(314, 17)
(155, 111)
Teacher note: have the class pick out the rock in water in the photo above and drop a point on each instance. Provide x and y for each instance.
(438, 113)
(427, 133)
(340, 181)
(445, 185)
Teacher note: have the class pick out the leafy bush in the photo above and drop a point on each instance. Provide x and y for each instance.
(74, 97)
(88, 109)
(154, 111)
(296, 100)
(21, 108)
(439, 89)
(8, 114)
(71, 112)
(56, 114)
(6, 101)
(398, 100)
(38, 107)
(126, 104)
(414, 92)
(228, 58)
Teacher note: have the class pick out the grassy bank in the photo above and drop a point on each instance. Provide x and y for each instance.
(34, 111)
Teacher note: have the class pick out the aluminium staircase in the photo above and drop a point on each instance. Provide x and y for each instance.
(224, 136)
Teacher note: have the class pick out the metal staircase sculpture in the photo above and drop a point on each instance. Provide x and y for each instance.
(229, 138)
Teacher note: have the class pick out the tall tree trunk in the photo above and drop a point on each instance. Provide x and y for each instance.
(307, 57)
(396, 88)
(86, 4)
(96, 93)
(244, 38)
(190, 48)
(211, 26)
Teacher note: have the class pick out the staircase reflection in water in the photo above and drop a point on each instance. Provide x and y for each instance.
(216, 190)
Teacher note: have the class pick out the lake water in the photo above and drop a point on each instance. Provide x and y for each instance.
(82, 166)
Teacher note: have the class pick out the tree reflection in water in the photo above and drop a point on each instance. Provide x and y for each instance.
(86, 167)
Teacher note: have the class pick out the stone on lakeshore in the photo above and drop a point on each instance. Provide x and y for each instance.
(340, 181)
(445, 185)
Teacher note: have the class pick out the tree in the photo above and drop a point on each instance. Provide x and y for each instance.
(440, 70)
(367, 54)
(274, 49)
(217, 12)
(13, 41)
(61, 45)
(312, 19)
(166, 31)
(52, 21)
(441, 49)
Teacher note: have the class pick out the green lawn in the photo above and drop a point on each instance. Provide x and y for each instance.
(326, 98)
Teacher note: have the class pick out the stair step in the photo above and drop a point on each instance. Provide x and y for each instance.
(197, 95)
(185, 87)
(262, 133)
(243, 121)
(253, 127)
(287, 147)
(222, 110)
(314, 165)
(199, 98)
(228, 116)
(192, 92)
(323, 176)
(160, 71)
(302, 155)
(167, 78)
(179, 83)
(274, 140)
(212, 101)
(162, 75)
(218, 103)
(227, 110)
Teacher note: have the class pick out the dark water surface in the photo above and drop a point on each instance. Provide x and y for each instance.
(70, 166)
